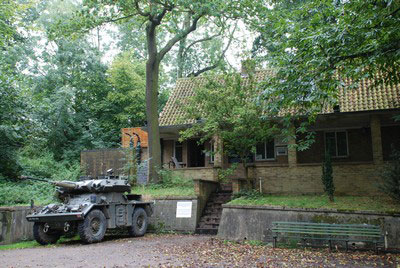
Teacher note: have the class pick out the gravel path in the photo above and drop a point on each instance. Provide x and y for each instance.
(125, 252)
(186, 251)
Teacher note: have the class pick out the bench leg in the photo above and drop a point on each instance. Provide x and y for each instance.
(274, 242)
(303, 240)
(330, 245)
(347, 246)
(376, 247)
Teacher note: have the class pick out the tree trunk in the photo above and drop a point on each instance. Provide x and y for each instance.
(153, 129)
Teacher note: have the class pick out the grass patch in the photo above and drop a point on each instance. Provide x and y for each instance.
(34, 244)
(162, 192)
(348, 203)
(20, 245)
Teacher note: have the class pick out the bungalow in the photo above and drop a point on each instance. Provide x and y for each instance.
(361, 130)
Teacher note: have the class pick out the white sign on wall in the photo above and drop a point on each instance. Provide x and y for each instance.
(184, 209)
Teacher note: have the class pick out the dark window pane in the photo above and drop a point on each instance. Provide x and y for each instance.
(260, 151)
(178, 151)
(270, 149)
(341, 139)
(330, 143)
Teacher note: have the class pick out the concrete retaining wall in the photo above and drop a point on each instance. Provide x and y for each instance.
(254, 222)
(13, 225)
(165, 217)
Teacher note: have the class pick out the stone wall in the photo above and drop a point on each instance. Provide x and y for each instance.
(164, 215)
(254, 223)
(13, 225)
(349, 178)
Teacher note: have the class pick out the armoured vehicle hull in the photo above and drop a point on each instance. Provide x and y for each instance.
(90, 208)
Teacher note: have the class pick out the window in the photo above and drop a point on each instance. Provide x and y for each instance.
(336, 143)
(178, 151)
(212, 151)
(265, 150)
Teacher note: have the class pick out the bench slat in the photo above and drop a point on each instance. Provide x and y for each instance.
(327, 224)
(328, 234)
(327, 229)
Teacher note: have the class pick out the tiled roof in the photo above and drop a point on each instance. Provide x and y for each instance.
(366, 97)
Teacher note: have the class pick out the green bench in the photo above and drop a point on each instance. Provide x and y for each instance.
(329, 232)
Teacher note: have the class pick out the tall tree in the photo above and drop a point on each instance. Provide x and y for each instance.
(154, 15)
(312, 45)
(228, 107)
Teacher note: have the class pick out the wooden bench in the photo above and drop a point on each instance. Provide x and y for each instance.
(329, 232)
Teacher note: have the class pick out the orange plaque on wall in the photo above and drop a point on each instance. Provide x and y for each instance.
(137, 130)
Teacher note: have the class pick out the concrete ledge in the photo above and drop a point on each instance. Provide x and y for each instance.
(281, 208)
(255, 222)
(175, 198)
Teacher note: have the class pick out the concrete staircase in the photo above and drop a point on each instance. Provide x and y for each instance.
(211, 217)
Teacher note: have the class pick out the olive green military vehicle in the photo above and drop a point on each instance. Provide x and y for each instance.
(90, 207)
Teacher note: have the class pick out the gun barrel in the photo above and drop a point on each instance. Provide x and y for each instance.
(34, 179)
(65, 184)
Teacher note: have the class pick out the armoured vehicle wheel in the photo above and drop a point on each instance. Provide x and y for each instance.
(93, 228)
(139, 222)
(43, 235)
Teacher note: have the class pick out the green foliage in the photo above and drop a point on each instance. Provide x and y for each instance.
(327, 177)
(126, 103)
(247, 194)
(229, 108)
(312, 45)
(169, 179)
(342, 203)
(223, 174)
(391, 177)
(43, 165)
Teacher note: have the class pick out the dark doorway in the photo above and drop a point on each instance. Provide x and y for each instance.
(196, 157)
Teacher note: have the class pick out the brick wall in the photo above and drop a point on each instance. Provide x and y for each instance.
(359, 145)
(195, 173)
(354, 179)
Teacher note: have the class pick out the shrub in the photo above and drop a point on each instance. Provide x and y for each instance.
(327, 177)
(169, 179)
(391, 177)
(16, 192)
(247, 194)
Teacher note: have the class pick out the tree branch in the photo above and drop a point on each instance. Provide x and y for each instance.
(391, 48)
(199, 41)
(215, 65)
(121, 18)
(178, 37)
(140, 11)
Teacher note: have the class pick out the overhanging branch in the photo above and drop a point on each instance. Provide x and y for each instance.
(178, 37)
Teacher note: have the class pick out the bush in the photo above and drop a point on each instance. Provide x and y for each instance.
(327, 177)
(247, 194)
(170, 180)
(16, 192)
(391, 177)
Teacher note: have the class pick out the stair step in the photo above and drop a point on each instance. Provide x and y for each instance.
(209, 231)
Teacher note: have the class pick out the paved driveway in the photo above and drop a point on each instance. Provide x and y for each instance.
(185, 251)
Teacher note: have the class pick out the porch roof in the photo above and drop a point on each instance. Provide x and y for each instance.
(366, 97)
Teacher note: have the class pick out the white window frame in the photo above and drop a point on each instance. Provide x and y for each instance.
(175, 141)
(347, 142)
(265, 151)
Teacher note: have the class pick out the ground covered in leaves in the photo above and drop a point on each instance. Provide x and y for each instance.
(172, 250)
(218, 253)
